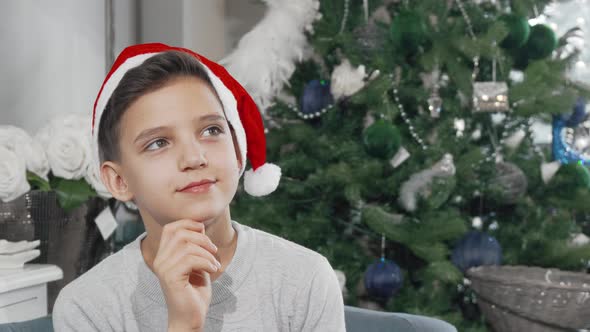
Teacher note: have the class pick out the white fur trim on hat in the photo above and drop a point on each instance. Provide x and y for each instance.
(230, 106)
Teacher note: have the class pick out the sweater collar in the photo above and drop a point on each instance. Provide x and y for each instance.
(222, 288)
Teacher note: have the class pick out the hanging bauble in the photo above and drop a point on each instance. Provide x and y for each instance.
(518, 31)
(408, 31)
(573, 176)
(579, 114)
(541, 43)
(571, 139)
(490, 96)
(383, 279)
(521, 59)
(316, 99)
(509, 184)
(381, 140)
(476, 249)
(369, 38)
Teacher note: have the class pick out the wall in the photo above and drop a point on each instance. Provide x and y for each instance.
(52, 59)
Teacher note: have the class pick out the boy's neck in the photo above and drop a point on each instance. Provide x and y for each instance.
(220, 231)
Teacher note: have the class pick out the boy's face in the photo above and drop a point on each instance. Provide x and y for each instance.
(169, 138)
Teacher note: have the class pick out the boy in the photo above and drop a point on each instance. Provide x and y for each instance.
(170, 132)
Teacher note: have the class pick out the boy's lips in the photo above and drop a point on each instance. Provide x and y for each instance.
(197, 187)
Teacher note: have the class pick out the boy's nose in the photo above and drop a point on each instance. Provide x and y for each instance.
(193, 157)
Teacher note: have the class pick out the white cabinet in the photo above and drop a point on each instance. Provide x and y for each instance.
(23, 292)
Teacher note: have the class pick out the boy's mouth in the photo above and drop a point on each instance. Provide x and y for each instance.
(198, 187)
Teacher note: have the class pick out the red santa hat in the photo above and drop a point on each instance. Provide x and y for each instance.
(240, 110)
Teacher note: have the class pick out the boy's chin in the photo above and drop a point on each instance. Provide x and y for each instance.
(204, 215)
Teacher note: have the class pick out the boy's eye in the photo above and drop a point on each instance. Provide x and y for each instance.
(212, 131)
(156, 144)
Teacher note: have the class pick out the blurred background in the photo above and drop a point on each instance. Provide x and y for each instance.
(396, 166)
(55, 53)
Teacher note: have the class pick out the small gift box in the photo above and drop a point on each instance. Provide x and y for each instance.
(490, 97)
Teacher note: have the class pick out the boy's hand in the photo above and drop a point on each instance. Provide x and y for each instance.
(182, 264)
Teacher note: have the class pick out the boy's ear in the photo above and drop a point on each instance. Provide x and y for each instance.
(115, 183)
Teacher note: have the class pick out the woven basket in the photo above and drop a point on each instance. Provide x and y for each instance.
(521, 298)
(69, 240)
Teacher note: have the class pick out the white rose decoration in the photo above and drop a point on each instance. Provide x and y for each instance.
(19, 141)
(347, 80)
(67, 145)
(13, 175)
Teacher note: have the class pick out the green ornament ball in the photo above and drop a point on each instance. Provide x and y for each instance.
(542, 41)
(573, 176)
(518, 31)
(381, 140)
(408, 31)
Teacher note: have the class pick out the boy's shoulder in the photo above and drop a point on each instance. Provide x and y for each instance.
(282, 251)
(105, 279)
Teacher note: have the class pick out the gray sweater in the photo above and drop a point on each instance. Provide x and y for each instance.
(271, 284)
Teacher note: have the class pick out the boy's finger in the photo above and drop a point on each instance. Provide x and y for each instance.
(189, 249)
(183, 224)
(183, 236)
(190, 264)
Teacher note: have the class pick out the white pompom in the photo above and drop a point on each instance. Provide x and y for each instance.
(263, 181)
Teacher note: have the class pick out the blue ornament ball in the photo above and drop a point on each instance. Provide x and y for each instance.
(579, 113)
(568, 136)
(383, 279)
(476, 249)
(316, 96)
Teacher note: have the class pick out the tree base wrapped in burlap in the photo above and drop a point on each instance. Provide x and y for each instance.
(522, 298)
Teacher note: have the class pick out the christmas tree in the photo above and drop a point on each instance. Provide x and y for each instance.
(405, 143)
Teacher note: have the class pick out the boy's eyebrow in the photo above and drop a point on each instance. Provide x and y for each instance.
(151, 131)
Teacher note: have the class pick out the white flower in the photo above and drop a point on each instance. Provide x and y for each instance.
(19, 141)
(13, 175)
(67, 145)
(347, 80)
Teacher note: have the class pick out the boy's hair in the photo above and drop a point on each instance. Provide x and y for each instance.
(152, 74)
